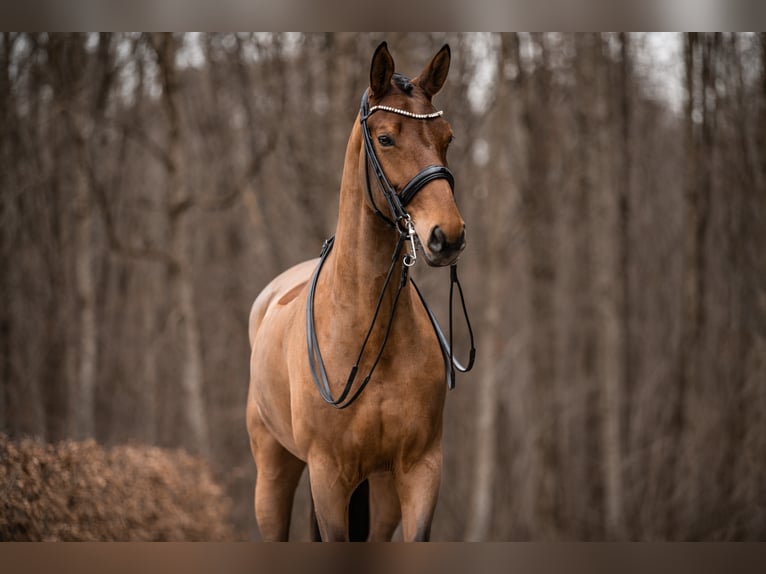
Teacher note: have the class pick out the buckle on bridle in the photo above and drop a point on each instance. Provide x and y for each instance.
(409, 230)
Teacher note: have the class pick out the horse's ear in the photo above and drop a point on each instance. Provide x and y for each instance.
(433, 76)
(381, 70)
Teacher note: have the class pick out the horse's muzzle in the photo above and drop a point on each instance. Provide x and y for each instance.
(441, 251)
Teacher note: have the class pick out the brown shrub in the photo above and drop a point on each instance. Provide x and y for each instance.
(83, 491)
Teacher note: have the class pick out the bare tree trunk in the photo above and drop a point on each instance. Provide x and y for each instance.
(196, 435)
(686, 356)
(7, 112)
(82, 417)
(580, 354)
(67, 61)
(616, 342)
(732, 469)
(26, 395)
(755, 367)
(64, 66)
(481, 509)
(540, 217)
(83, 403)
(761, 121)
(192, 374)
(697, 199)
(269, 251)
(155, 298)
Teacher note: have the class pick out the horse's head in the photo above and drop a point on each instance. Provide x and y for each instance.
(409, 138)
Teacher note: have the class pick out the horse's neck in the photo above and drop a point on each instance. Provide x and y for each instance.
(364, 244)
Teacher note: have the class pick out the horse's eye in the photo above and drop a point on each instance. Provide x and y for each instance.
(385, 140)
(451, 139)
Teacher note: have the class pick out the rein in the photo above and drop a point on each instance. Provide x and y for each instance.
(401, 221)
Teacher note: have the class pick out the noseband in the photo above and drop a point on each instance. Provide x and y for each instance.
(401, 221)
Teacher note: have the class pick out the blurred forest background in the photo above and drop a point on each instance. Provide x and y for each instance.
(614, 189)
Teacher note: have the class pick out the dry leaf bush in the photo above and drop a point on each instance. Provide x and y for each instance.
(83, 491)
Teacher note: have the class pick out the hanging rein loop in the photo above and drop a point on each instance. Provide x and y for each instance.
(451, 363)
(401, 221)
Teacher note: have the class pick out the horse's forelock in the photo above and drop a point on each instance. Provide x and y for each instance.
(403, 83)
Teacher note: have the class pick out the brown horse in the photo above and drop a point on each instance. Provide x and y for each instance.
(391, 436)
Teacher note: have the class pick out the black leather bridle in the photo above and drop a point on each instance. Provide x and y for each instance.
(401, 221)
(397, 201)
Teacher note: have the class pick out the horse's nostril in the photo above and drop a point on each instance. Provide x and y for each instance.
(437, 241)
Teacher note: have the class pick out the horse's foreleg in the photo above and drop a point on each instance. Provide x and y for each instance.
(278, 475)
(418, 488)
(385, 510)
(331, 495)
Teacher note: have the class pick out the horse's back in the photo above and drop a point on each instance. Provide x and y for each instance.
(282, 290)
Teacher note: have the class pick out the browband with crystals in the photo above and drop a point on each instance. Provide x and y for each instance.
(405, 113)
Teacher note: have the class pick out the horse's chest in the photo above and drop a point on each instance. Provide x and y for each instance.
(386, 426)
(399, 410)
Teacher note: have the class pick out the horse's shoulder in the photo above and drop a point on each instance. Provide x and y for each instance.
(281, 290)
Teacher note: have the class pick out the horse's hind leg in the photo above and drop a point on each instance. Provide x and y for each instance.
(359, 513)
(278, 475)
(358, 516)
(385, 510)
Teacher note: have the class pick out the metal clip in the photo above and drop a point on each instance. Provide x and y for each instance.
(410, 259)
